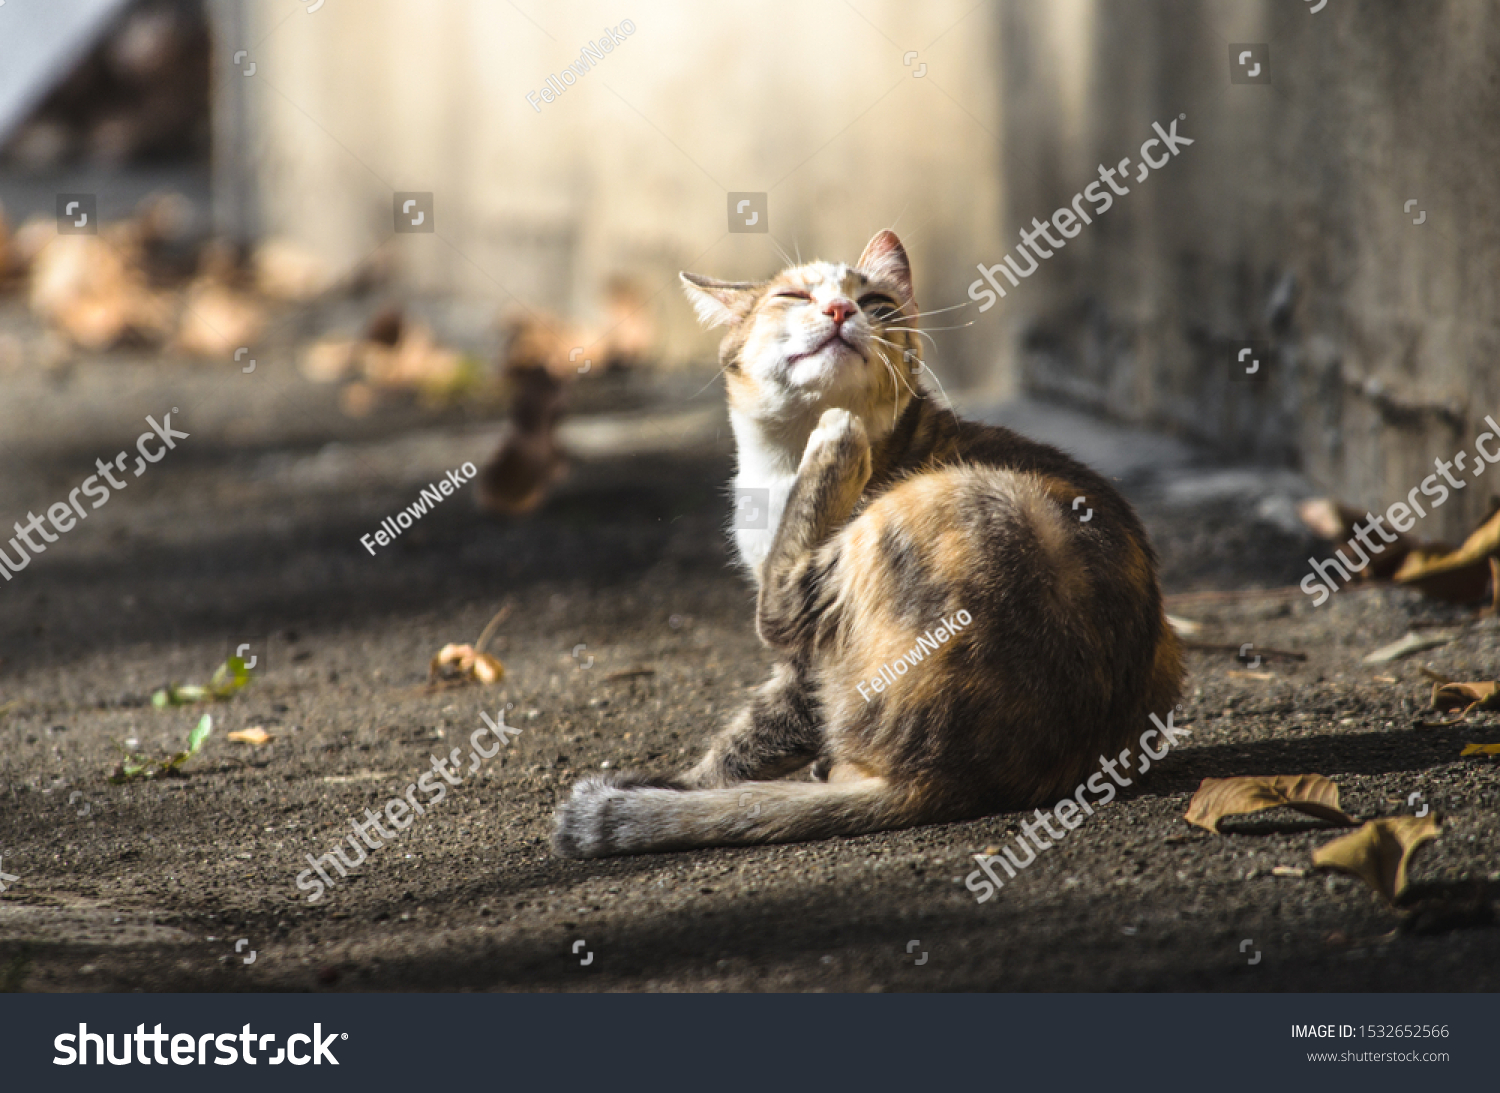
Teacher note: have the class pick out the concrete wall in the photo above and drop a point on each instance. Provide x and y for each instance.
(1282, 228)
(629, 170)
(1284, 224)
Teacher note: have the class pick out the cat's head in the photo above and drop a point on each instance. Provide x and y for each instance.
(817, 336)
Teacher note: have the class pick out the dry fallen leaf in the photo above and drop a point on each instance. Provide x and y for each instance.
(285, 270)
(462, 664)
(1481, 749)
(1448, 696)
(217, 320)
(1412, 642)
(255, 735)
(1335, 522)
(1326, 518)
(457, 664)
(358, 399)
(1380, 851)
(1235, 673)
(1220, 797)
(330, 359)
(94, 290)
(1459, 576)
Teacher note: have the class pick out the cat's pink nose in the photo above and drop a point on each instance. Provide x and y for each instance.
(840, 309)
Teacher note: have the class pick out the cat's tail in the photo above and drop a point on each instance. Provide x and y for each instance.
(607, 816)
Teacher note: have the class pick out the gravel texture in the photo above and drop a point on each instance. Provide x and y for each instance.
(249, 533)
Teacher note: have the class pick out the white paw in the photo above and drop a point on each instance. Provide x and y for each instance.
(837, 428)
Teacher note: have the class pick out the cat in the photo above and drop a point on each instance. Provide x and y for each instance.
(954, 636)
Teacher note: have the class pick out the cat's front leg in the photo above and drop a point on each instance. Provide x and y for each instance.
(777, 734)
(830, 479)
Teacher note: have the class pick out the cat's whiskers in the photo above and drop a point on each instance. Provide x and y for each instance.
(960, 326)
(895, 375)
(934, 311)
(942, 390)
(894, 383)
(918, 333)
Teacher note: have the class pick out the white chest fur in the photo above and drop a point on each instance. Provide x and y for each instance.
(767, 469)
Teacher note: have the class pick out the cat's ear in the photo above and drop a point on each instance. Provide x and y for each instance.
(718, 302)
(885, 260)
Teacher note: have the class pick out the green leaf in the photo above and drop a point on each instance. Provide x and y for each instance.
(134, 766)
(174, 694)
(131, 766)
(227, 680)
(200, 734)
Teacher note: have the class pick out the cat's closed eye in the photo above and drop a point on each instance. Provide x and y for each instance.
(792, 294)
(879, 306)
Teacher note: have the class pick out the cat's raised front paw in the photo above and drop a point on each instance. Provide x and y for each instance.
(838, 434)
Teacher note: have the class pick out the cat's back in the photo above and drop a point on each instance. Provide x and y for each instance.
(990, 465)
(981, 517)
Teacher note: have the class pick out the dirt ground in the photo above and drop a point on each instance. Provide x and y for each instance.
(630, 639)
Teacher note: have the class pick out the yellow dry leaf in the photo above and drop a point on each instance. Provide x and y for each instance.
(1448, 696)
(330, 359)
(358, 399)
(457, 664)
(1465, 696)
(1481, 749)
(1380, 852)
(217, 320)
(1220, 797)
(1460, 575)
(288, 271)
(487, 669)
(462, 664)
(255, 735)
(1326, 518)
(92, 288)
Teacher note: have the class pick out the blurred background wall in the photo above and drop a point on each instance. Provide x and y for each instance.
(627, 173)
(1334, 215)
(1291, 223)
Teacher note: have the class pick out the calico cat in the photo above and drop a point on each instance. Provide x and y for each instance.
(954, 638)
